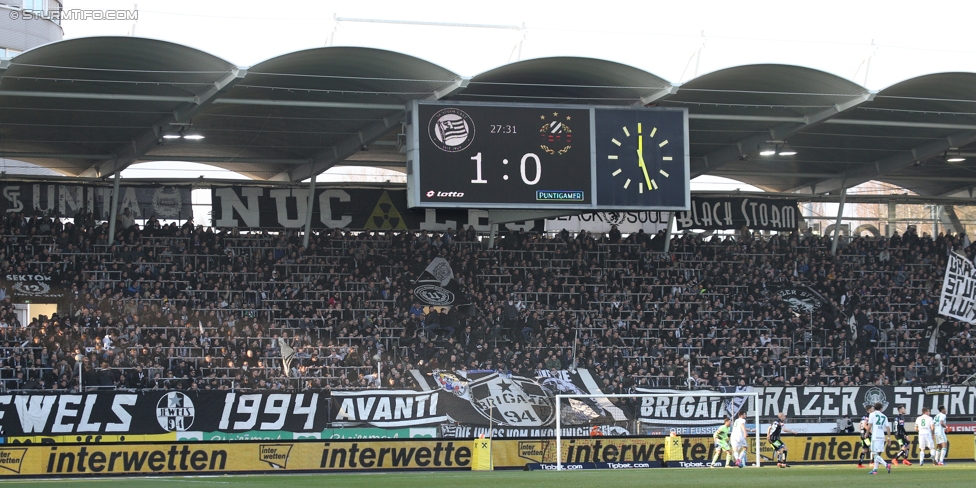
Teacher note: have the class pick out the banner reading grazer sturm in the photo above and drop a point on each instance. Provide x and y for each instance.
(737, 212)
(66, 200)
(247, 207)
(958, 298)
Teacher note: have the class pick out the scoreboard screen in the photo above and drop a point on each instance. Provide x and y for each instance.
(521, 156)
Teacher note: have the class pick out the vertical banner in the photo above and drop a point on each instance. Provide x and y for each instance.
(957, 290)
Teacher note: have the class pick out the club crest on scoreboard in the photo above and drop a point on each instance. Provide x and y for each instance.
(451, 129)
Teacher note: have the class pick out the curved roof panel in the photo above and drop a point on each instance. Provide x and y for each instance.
(91, 106)
(90, 96)
(564, 80)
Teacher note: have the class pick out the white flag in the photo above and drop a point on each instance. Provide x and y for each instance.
(287, 354)
(957, 300)
(440, 269)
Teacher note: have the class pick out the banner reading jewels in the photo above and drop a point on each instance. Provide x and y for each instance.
(738, 212)
(66, 200)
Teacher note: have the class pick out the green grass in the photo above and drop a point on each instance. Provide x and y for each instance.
(961, 474)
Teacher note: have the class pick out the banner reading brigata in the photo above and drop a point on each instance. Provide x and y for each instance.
(699, 408)
(958, 300)
(737, 212)
(66, 200)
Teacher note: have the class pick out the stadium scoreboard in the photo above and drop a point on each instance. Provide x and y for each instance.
(536, 156)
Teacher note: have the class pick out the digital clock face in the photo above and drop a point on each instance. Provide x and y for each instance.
(491, 156)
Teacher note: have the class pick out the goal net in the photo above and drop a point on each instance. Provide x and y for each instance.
(693, 415)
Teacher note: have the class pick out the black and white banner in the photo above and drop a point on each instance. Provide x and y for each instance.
(36, 288)
(802, 298)
(601, 222)
(738, 212)
(66, 200)
(388, 408)
(247, 207)
(158, 412)
(483, 398)
(850, 401)
(699, 407)
(958, 298)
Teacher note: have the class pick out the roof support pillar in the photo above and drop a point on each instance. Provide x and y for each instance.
(950, 220)
(113, 213)
(840, 216)
(657, 95)
(308, 213)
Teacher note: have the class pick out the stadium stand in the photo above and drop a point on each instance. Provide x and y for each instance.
(188, 307)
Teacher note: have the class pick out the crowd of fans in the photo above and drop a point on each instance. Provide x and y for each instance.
(187, 307)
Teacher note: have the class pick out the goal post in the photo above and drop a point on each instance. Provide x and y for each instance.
(748, 394)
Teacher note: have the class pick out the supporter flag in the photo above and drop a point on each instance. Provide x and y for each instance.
(802, 298)
(582, 412)
(957, 300)
(437, 287)
(853, 327)
(931, 338)
(287, 355)
(440, 270)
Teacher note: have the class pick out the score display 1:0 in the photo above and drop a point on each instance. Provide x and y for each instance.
(528, 156)
(501, 156)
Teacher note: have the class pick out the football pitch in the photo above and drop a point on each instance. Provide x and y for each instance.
(961, 474)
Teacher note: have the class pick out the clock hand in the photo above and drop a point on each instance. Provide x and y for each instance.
(640, 160)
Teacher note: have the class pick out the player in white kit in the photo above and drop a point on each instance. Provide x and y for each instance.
(880, 428)
(740, 443)
(941, 443)
(924, 426)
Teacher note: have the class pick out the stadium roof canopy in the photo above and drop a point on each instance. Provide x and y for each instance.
(93, 106)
